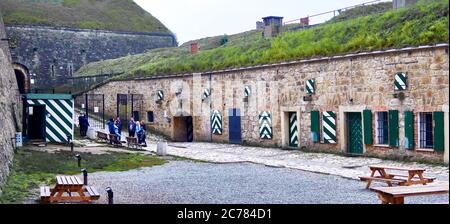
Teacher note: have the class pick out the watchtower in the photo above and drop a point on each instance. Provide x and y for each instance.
(272, 26)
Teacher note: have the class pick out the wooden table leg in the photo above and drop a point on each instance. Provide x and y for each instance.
(420, 174)
(369, 182)
(386, 176)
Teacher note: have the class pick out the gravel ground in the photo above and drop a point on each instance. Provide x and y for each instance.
(187, 182)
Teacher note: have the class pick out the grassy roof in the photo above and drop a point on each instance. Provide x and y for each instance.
(115, 15)
(424, 24)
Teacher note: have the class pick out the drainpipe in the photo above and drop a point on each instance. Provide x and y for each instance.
(210, 107)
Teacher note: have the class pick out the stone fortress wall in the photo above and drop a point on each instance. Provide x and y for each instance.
(9, 108)
(363, 83)
(54, 54)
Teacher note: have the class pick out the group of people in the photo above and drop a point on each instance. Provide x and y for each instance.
(135, 129)
(115, 128)
(138, 129)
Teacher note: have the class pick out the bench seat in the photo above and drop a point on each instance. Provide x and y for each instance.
(45, 193)
(92, 193)
(396, 195)
(102, 136)
(394, 180)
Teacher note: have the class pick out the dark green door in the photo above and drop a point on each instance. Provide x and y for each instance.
(293, 130)
(355, 139)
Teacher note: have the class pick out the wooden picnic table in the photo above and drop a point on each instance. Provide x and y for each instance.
(413, 176)
(396, 195)
(69, 189)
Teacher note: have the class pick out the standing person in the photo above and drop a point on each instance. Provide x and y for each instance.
(144, 134)
(81, 124)
(111, 126)
(119, 124)
(86, 125)
(131, 128)
(138, 131)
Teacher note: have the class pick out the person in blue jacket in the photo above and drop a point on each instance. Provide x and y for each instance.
(119, 125)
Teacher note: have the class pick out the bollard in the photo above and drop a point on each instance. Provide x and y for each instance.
(85, 175)
(70, 142)
(110, 195)
(79, 160)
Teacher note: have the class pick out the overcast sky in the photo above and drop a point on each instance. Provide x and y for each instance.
(195, 19)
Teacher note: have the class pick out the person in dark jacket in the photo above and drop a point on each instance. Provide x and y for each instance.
(86, 125)
(119, 125)
(143, 135)
(81, 124)
(131, 128)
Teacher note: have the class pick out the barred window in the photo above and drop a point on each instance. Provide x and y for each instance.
(426, 130)
(150, 117)
(382, 128)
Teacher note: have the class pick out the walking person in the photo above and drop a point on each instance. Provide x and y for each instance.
(131, 128)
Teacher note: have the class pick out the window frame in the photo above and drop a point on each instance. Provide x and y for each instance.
(423, 132)
(377, 128)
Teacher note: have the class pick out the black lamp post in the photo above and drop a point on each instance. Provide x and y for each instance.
(85, 176)
(110, 195)
(78, 159)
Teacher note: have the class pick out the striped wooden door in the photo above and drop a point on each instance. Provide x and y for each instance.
(293, 130)
(216, 122)
(58, 120)
(329, 127)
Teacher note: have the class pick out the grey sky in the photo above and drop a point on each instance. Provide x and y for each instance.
(194, 19)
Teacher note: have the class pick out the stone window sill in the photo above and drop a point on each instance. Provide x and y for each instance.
(424, 150)
(383, 146)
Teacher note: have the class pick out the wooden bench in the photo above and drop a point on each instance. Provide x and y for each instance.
(114, 140)
(92, 193)
(132, 143)
(102, 136)
(396, 195)
(415, 176)
(45, 193)
(69, 189)
(389, 181)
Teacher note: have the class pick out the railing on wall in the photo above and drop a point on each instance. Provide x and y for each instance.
(316, 19)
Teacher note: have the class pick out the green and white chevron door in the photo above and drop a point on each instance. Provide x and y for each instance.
(265, 122)
(59, 119)
(293, 130)
(329, 127)
(216, 122)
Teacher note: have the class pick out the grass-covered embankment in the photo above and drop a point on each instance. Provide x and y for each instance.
(33, 168)
(424, 24)
(116, 15)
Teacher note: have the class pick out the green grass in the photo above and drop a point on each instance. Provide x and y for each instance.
(32, 169)
(426, 23)
(117, 15)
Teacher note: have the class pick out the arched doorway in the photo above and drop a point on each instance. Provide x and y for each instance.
(22, 77)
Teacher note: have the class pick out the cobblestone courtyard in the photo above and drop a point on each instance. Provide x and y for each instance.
(187, 182)
(236, 174)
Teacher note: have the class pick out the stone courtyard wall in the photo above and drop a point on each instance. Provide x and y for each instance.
(9, 107)
(351, 83)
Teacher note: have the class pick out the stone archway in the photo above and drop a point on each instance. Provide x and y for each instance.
(23, 77)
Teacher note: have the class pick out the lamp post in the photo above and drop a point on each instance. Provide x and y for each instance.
(78, 157)
(110, 195)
